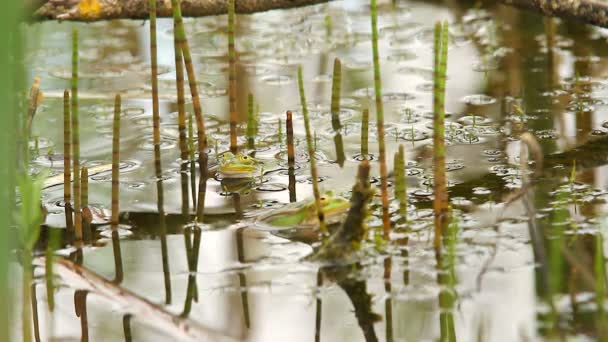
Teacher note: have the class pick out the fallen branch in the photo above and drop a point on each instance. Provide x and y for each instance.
(80, 278)
(92, 10)
(593, 12)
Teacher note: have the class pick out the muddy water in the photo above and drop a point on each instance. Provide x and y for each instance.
(506, 75)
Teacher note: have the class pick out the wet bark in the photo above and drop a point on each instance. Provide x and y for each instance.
(92, 10)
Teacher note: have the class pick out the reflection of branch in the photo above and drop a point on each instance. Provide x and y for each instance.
(80, 278)
(90, 10)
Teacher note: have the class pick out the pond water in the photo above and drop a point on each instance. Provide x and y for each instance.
(508, 72)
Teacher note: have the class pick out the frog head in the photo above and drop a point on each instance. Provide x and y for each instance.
(304, 214)
(238, 166)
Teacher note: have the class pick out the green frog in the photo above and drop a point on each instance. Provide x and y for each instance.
(238, 166)
(303, 214)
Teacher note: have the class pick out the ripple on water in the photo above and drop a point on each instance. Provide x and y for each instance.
(277, 80)
(478, 100)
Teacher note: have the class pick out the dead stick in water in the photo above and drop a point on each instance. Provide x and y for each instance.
(311, 155)
(67, 167)
(232, 77)
(76, 138)
(380, 122)
(291, 159)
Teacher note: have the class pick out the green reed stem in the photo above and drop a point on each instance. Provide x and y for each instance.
(335, 95)
(232, 77)
(250, 123)
(400, 182)
(67, 167)
(154, 81)
(599, 266)
(76, 138)
(365, 133)
(311, 154)
(440, 202)
(180, 33)
(291, 158)
(380, 122)
(115, 162)
(280, 133)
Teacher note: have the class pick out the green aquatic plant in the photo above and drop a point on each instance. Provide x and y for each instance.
(311, 154)
(232, 77)
(400, 182)
(115, 162)
(86, 212)
(599, 268)
(335, 95)
(440, 201)
(29, 220)
(251, 123)
(291, 158)
(67, 166)
(365, 133)
(76, 138)
(380, 122)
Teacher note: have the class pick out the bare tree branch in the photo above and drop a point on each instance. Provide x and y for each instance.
(593, 12)
(91, 10)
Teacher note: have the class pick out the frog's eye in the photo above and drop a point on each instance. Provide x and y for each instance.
(323, 199)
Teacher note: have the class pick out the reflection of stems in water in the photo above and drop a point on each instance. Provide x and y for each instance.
(365, 133)
(232, 77)
(86, 211)
(280, 133)
(250, 123)
(388, 304)
(180, 33)
(67, 171)
(319, 310)
(339, 144)
(599, 265)
(126, 327)
(291, 159)
(54, 237)
(192, 250)
(117, 257)
(380, 122)
(440, 202)
(35, 313)
(80, 306)
(446, 279)
(76, 137)
(240, 248)
(311, 154)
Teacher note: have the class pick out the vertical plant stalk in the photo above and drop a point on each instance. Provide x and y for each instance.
(388, 303)
(291, 158)
(232, 77)
(335, 95)
(311, 155)
(365, 133)
(76, 139)
(115, 162)
(196, 104)
(400, 182)
(156, 136)
(380, 122)
(440, 202)
(67, 167)
(599, 267)
(250, 123)
(319, 311)
(54, 239)
(181, 118)
(87, 217)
